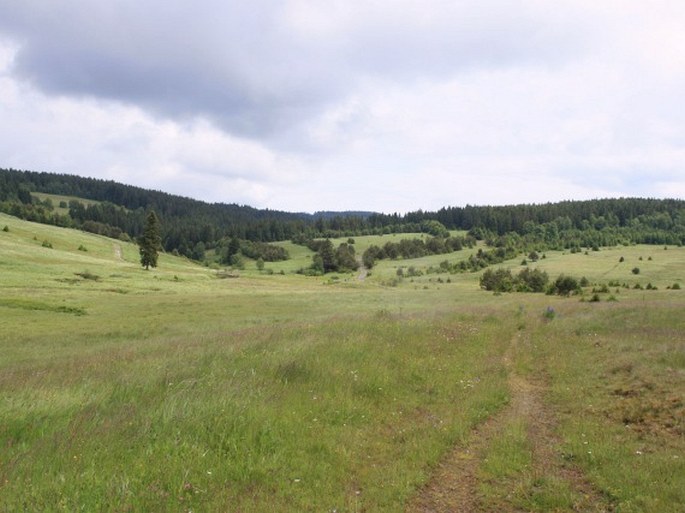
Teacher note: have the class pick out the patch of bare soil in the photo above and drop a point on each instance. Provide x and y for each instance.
(454, 487)
(363, 271)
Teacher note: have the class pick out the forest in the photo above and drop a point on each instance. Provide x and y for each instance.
(190, 227)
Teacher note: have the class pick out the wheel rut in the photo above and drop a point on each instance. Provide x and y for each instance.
(455, 485)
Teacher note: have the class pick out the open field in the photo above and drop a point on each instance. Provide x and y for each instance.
(175, 389)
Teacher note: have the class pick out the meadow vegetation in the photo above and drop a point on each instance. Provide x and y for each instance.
(195, 388)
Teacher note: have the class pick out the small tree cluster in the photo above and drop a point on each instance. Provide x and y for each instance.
(329, 259)
(502, 280)
(564, 286)
(415, 248)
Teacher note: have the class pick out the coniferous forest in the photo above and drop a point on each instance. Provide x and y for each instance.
(190, 227)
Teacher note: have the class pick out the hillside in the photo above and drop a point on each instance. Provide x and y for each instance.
(191, 228)
(181, 387)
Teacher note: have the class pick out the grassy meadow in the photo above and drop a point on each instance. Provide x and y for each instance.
(186, 388)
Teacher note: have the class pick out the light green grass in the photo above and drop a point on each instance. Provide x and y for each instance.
(174, 390)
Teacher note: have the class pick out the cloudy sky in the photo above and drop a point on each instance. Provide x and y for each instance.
(339, 105)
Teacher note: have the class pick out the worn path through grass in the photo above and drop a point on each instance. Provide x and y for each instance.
(511, 462)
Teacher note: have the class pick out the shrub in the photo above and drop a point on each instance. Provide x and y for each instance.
(499, 280)
(82, 248)
(237, 262)
(636, 270)
(531, 280)
(564, 286)
(549, 313)
(595, 298)
(6, 228)
(621, 259)
(86, 275)
(47, 244)
(675, 286)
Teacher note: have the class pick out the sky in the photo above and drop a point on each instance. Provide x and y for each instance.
(388, 106)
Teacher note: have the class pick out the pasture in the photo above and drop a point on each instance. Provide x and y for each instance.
(181, 389)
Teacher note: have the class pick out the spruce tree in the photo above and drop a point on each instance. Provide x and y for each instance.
(150, 242)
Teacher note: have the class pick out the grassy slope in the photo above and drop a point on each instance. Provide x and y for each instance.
(172, 389)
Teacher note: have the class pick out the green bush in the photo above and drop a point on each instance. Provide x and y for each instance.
(499, 280)
(531, 280)
(564, 286)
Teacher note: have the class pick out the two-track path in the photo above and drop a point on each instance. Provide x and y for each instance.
(455, 484)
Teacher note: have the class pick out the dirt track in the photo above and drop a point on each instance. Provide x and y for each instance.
(455, 485)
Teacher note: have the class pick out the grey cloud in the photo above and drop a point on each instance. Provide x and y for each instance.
(242, 65)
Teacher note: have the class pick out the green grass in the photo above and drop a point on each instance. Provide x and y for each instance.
(620, 389)
(174, 390)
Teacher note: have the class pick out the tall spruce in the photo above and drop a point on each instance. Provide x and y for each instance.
(150, 241)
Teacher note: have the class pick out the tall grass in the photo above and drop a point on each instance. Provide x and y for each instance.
(172, 390)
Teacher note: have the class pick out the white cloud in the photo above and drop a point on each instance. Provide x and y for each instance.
(304, 105)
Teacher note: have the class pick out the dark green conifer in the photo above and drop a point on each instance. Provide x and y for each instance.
(150, 242)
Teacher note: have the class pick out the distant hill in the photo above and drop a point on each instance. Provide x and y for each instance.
(190, 226)
(326, 214)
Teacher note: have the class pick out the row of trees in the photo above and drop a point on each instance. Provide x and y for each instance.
(415, 248)
(528, 280)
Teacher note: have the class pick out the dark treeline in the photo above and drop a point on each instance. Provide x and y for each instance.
(660, 214)
(191, 226)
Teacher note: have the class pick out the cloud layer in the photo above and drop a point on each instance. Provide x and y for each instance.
(391, 106)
